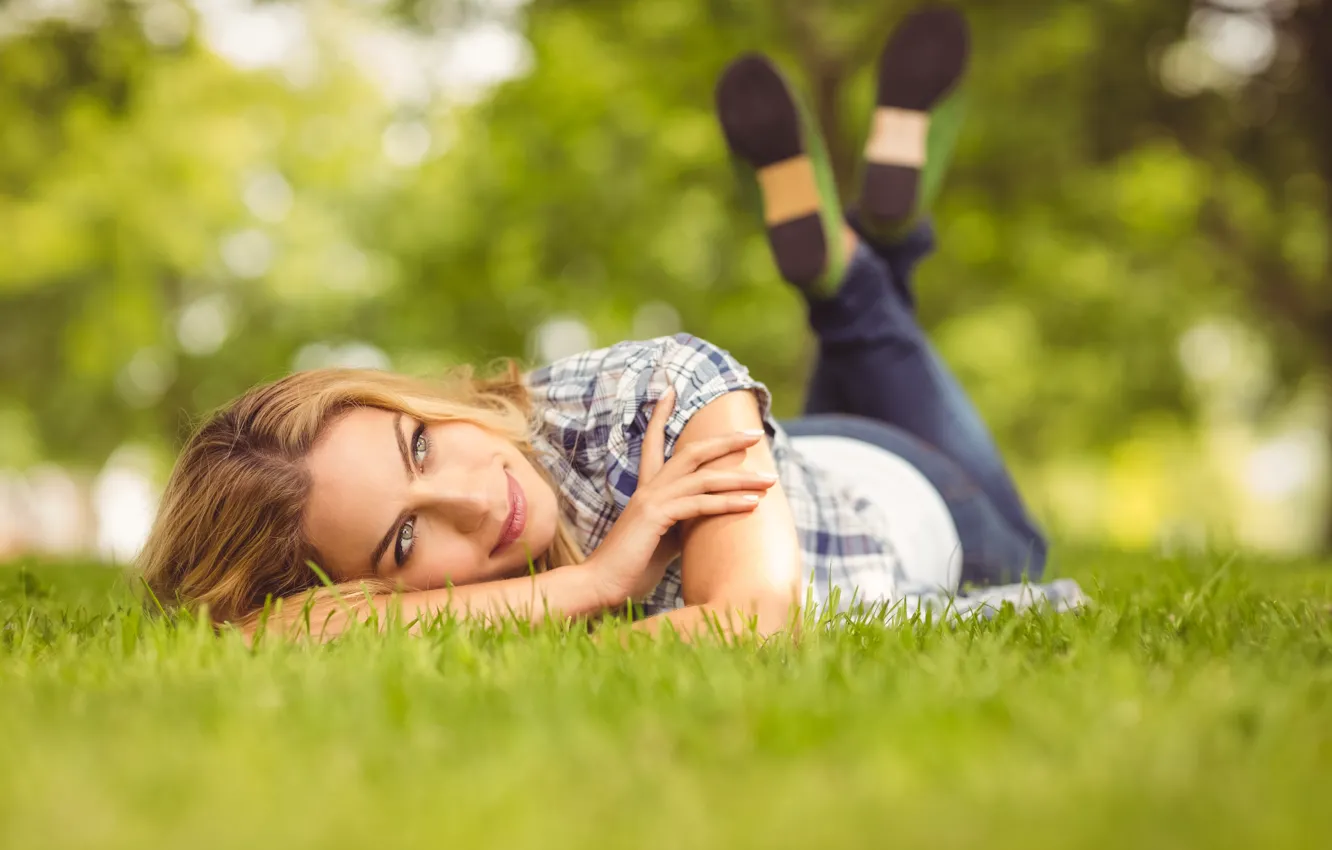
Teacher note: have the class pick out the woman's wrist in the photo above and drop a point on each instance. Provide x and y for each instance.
(574, 590)
(609, 594)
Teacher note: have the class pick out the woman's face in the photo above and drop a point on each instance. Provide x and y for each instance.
(424, 504)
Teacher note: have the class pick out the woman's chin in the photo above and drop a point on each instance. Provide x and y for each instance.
(526, 561)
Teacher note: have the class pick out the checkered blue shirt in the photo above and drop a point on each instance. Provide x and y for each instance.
(594, 409)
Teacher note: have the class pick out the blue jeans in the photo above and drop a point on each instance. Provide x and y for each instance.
(879, 380)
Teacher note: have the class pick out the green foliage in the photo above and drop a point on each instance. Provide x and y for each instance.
(1091, 218)
(1193, 701)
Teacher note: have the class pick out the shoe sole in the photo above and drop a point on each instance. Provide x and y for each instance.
(761, 124)
(921, 63)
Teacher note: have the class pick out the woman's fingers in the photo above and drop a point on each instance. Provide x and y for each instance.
(711, 504)
(719, 481)
(654, 439)
(696, 454)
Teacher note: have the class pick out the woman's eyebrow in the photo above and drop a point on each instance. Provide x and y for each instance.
(407, 466)
(402, 444)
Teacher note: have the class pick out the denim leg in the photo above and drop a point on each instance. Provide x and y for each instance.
(875, 360)
(824, 394)
(901, 256)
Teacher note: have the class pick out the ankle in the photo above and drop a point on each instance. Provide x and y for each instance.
(850, 241)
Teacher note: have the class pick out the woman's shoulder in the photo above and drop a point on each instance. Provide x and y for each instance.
(610, 388)
(594, 407)
(609, 393)
(676, 352)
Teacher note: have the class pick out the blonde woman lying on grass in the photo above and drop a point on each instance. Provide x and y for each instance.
(649, 471)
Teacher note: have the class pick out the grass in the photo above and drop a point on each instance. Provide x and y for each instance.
(1191, 707)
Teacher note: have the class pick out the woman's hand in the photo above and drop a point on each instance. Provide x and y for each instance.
(742, 573)
(669, 492)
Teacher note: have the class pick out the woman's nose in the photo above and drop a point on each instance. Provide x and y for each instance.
(463, 502)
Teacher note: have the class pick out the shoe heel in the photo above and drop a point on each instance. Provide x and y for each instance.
(922, 62)
(762, 125)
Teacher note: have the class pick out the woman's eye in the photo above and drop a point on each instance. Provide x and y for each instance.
(420, 446)
(406, 535)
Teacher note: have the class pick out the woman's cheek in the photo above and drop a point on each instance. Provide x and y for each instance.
(442, 566)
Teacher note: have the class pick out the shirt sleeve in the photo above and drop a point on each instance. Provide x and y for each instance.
(612, 393)
(699, 371)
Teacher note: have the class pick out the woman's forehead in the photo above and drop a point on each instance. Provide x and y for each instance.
(358, 481)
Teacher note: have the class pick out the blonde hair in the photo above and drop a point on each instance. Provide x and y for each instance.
(229, 536)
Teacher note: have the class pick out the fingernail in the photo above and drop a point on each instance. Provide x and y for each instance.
(753, 432)
(767, 476)
(750, 497)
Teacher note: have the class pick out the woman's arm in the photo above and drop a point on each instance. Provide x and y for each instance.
(742, 568)
(570, 591)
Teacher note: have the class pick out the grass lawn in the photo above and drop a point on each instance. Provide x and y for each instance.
(1191, 707)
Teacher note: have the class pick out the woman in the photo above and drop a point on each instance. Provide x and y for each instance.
(647, 471)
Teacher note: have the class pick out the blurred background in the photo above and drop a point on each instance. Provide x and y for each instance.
(198, 195)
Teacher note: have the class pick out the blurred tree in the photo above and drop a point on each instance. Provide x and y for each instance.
(1071, 261)
(1117, 184)
(144, 276)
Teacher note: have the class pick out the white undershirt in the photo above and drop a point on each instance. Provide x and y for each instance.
(918, 523)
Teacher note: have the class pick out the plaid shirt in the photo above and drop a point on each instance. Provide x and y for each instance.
(594, 410)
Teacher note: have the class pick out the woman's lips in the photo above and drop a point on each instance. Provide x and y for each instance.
(516, 521)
